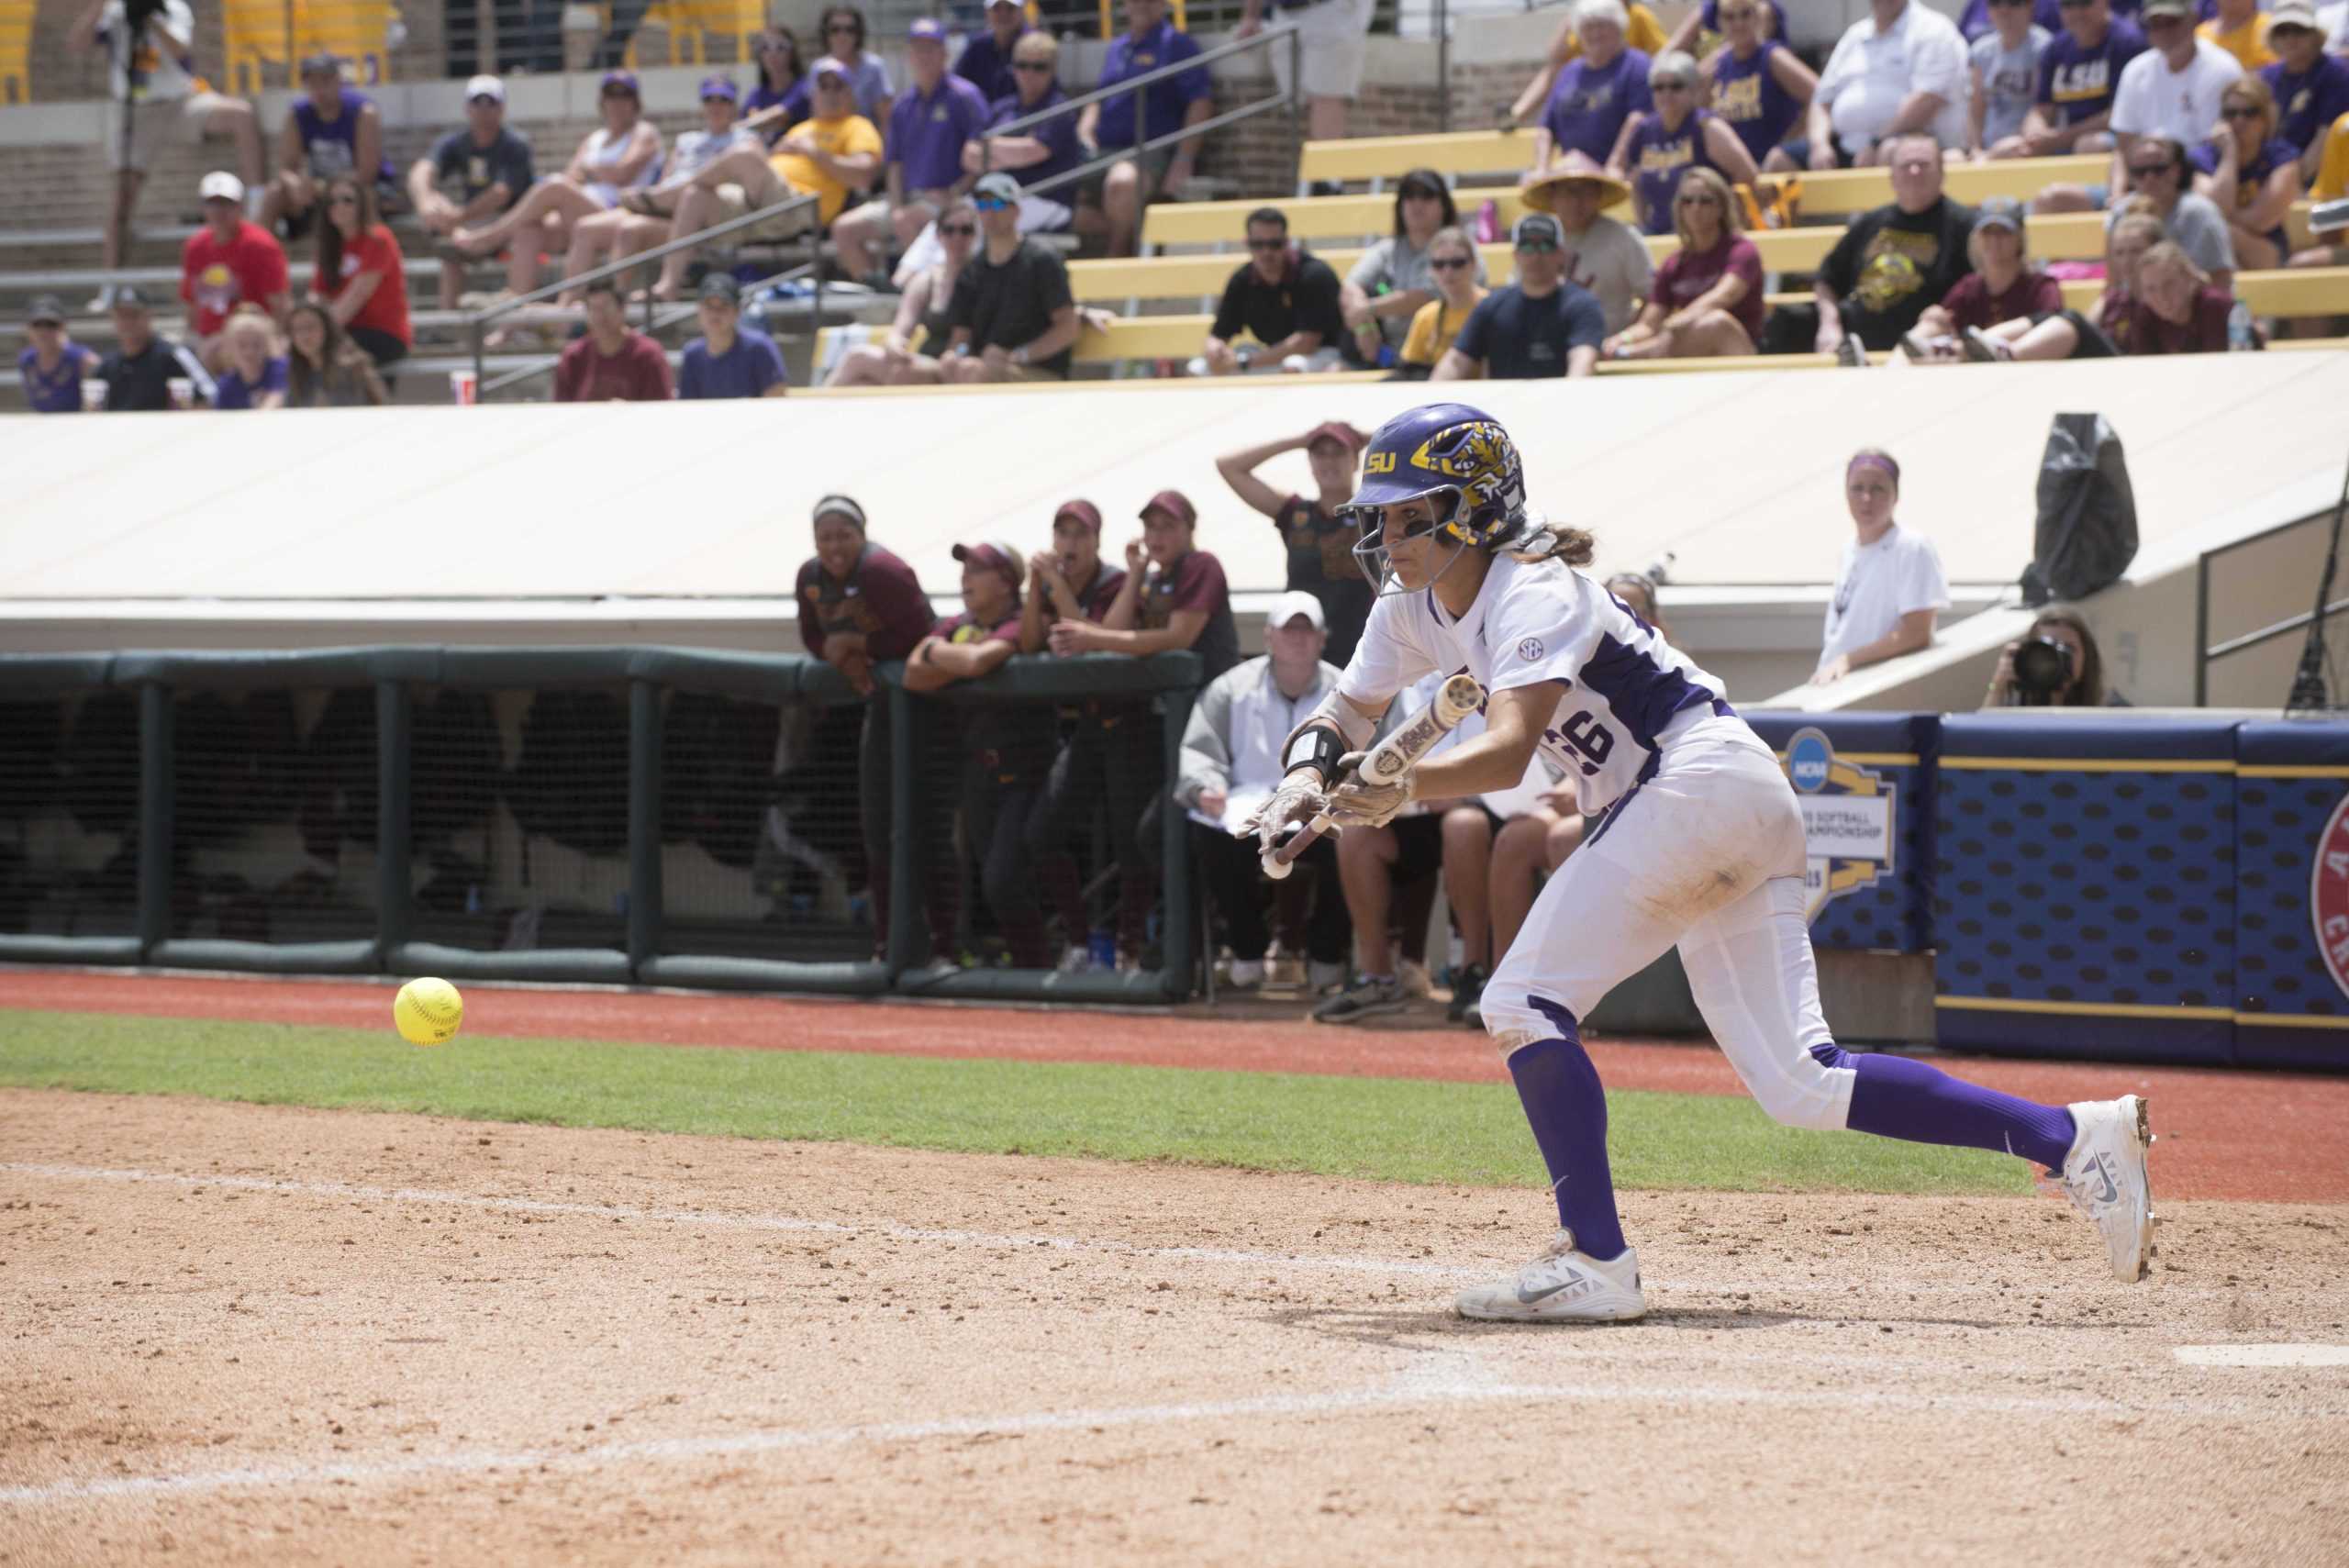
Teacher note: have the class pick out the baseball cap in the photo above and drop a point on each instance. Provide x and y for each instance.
(2292, 13)
(621, 79)
(48, 310)
(131, 296)
(721, 285)
(840, 506)
(1296, 602)
(1338, 430)
(926, 27)
(2000, 212)
(1174, 504)
(997, 558)
(220, 186)
(321, 64)
(828, 65)
(1539, 228)
(998, 187)
(485, 87)
(1084, 512)
(721, 87)
(2183, 8)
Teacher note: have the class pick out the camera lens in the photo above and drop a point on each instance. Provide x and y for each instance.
(2042, 667)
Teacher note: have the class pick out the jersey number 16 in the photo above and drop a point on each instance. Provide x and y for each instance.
(1586, 737)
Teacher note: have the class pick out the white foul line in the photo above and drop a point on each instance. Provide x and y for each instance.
(2263, 1355)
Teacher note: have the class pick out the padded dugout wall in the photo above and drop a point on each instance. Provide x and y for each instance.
(2292, 892)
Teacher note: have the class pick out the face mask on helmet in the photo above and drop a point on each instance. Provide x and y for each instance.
(1371, 547)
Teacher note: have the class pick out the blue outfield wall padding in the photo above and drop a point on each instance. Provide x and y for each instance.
(2292, 894)
(2069, 876)
(1867, 904)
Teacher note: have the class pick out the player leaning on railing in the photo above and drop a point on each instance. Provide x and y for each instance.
(1701, 846)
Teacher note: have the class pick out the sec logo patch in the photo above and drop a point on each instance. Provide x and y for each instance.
(1529, 649)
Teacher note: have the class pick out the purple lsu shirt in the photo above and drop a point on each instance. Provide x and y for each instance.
(1658, 158)
(2078, 83)
(1588, 106)
(927, 134)
(1749, 98)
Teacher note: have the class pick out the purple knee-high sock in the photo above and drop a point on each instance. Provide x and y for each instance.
(1568, 1109)
(1894, 1097)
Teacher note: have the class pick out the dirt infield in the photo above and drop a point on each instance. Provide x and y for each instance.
(2228, 1135)
(243, 1335)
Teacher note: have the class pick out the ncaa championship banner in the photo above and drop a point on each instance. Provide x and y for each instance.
(1865, 782)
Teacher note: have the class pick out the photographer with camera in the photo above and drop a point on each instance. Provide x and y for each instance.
(2056, 663)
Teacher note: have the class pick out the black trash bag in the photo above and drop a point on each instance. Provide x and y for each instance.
(102, 763)
(2086, 534)
(571, 783)
(717, 774)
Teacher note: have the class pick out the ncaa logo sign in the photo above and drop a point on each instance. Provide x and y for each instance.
(1809, 757)
(2329, 894)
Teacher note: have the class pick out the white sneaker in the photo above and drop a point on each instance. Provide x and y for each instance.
(1245, 974)
(2104, 1175)
(1076, 961)
(1319, 976)
(1562, 1285)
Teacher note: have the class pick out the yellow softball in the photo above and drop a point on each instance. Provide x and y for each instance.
(427, 1012)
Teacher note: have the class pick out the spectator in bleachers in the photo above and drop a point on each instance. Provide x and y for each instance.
(2177, 308)
(1889, 589)
(832, 153)
(1979, 19)
(872, 96)
(51, 364)
(1334, 42)
(1385, 288)
(1706, 30)
(2239, 26)
(2064, 334)
(1898, 72)
(729, 360)
(1604, 256)
(1660, 144)
(1175, 595)
(2158, 172)
(642, 219)
(2310, 87)
(156, 104)
(2004, 66)
(1109, 757)
(361, 276)
(859, 605)
(2003, 286)
(1012, 316)
(1184, 99)
(622, 152)
(1283, 294)
(1642, 32)
(1454, 263)
(2079, 72)
(2084, 662)
(1320, 544)
(1040, 154)
(1757, 83)
(2329, 248)
(1895, 261)
(1708, 294)
(1007, 748)
(2169, 91)
(324, 369)
(229, 261)
(908, 355)
(2251, 174)
(1594, 93)
(2125, 244)
(1230, 763)
(933, 118)
(488, 163)
(1542, 325)
(985, 59)
(613, 362)
(140, 373)
(253, 376)
(332, 129)
(782, 96)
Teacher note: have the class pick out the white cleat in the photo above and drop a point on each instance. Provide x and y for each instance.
(2104, 1175)
(1562, 1285)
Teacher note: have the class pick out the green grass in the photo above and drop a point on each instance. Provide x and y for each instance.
(1383, 1129)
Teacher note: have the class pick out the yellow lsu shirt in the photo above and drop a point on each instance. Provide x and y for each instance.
(843, 137)
(2247, 43)
(1434, 326)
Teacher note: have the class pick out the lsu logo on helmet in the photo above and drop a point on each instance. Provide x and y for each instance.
(1481, 462)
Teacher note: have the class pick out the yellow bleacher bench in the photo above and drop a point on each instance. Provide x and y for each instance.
(1392, 156)
(1144, 338)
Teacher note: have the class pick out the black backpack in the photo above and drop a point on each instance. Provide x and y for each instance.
(2088, 514)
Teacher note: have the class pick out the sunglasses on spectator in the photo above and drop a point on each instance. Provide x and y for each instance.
(2146, 171)
(342, 198)
(847, 27)
(2242, 112)
(1537, 248)
(1697, 200)
(1450, 263)
(1032, 65)
(1668, 84)
(1737, 14)
(991, 203)
(1280, 244)
(957, 230)
(2007, 4)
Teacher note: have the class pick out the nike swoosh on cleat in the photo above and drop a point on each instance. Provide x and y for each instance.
(1528, 1298)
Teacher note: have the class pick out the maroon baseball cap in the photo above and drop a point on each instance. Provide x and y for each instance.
(1174, 504)
(1338, 430)
(998, 558)
(1084, 512)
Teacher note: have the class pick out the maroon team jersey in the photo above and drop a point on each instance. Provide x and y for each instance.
(879, 599)
(1006, 742)
(1195, 583)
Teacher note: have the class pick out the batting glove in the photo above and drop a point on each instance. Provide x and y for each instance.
(1358, 802)
(1298, 801)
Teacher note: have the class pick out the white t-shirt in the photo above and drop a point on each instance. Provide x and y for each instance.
(138, 67)
(1869, 74)
(1876, 584)
(1535, 621)
(2154, 100)
(1612, 262)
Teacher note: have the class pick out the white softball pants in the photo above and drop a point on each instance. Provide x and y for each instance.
(1707, 854)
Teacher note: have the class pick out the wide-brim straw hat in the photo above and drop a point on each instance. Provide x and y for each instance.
(1535, 193)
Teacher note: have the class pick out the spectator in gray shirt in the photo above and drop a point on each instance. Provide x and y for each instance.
(1393, 279)
(2004, 66)
(2158, 173)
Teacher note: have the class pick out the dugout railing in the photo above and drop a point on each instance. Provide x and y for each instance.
(650, 815)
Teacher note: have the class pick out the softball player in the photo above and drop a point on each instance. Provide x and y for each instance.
(1701, 846)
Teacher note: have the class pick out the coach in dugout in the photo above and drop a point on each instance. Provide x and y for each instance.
(858, 605)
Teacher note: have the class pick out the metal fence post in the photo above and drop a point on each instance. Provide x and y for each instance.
(155, 741)
(395, 819)
(904, 842)
(1443, 65)
(644, 786)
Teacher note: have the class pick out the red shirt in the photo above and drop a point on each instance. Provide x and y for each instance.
(638, 374)
(386, 310)
(1685, 277)
(216, 278)
(2204, 332)
(1970, 302)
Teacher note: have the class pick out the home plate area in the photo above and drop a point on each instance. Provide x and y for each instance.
(390, 1338)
